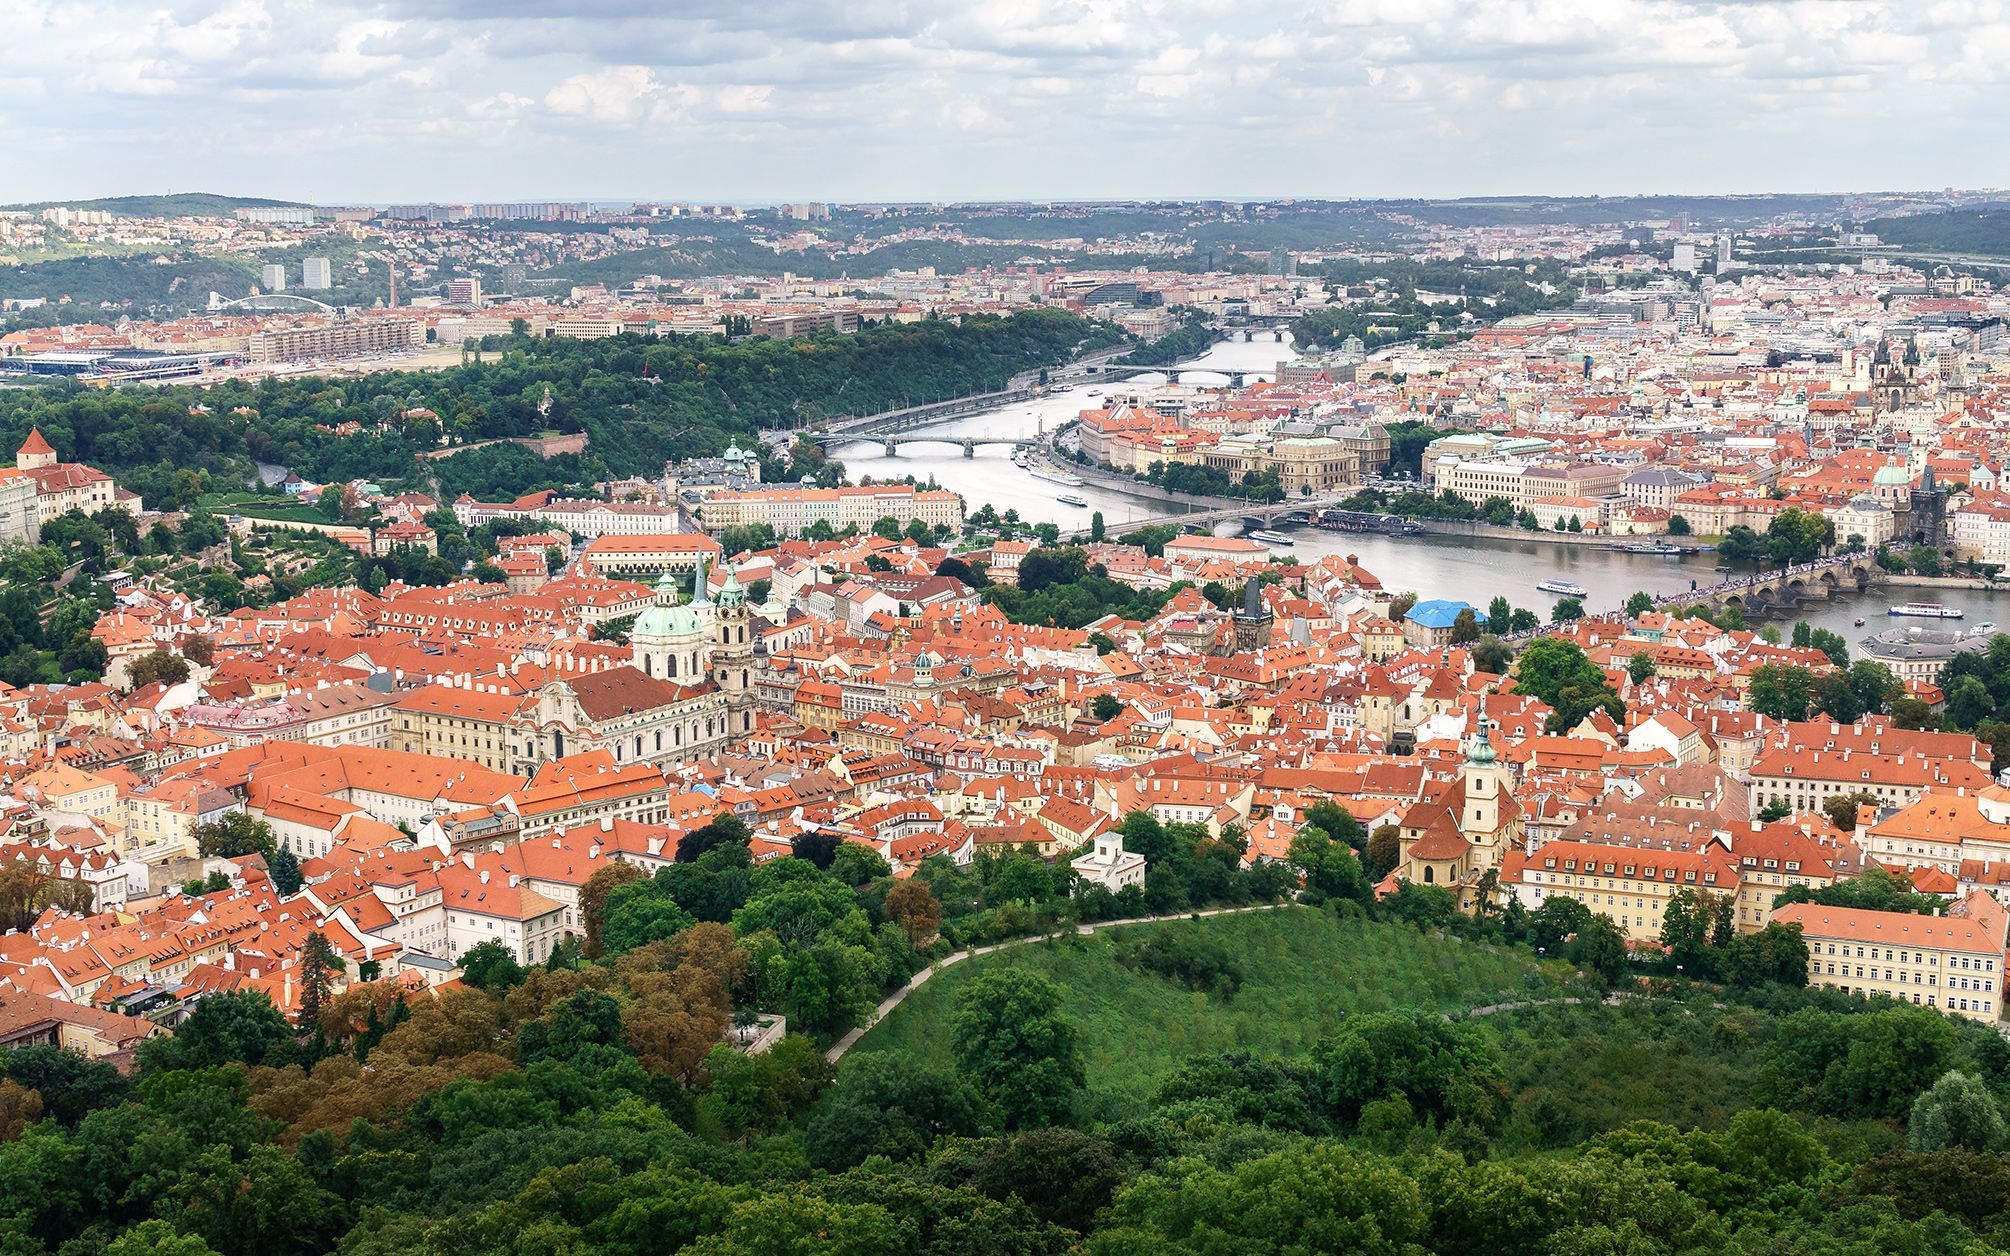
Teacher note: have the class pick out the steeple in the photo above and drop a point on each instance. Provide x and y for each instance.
(666, 589)
(731, 593)
(700, 594)
(1480, 749)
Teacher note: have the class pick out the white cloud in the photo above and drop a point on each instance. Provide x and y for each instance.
(619, 93)
(370, 99)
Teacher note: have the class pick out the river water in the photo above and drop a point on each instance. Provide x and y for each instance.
(1471, 569)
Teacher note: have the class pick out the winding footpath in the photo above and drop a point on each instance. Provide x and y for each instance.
(921, 978)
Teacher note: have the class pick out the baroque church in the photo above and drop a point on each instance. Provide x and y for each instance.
(1457, 838)
(687, 692)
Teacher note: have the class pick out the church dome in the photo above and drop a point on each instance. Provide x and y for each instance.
(1891, 475)
(666, 619)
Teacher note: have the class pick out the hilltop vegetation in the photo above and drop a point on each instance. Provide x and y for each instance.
(168, 205)
(641, 401)
(1985, 230)
(1283, 1081)
(136, 284)
(1302, 973)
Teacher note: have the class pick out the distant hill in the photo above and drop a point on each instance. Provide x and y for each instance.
(1984, 230)
(1599, 210)
(211, 204)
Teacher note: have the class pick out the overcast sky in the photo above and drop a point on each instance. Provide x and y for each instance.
(340, 100)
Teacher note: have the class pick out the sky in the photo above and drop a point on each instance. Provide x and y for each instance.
(344, 101)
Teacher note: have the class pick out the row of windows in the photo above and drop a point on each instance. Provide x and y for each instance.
(1983, 964)
(1953, 1003)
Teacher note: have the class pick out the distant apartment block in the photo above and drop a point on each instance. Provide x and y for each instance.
(806, 323)
(277, 215)
(315, 274)
(335, 340)
(273, 276)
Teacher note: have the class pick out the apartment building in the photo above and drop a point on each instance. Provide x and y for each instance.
(1944, 829)
(1630, 886)
(348, 339)
(1815, 761)
(790, 511)
(1952, 962)
(650, 554)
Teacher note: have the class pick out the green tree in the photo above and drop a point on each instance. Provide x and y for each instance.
(1558, 672)
(490, 966)
(237, 833)
(1011, 1040)
(1601, 947)
(284, 866)
(240, 1028)
(1841, 810)
(1958, 1112)
(157, 667)
(1330, 868)
(1639, 604)
(1640, 667)
(1678, 526)
(1566, 610)
(883, 1105)
(1781, 691)
(1096, 528)
(1492, 656)
(1106, 707)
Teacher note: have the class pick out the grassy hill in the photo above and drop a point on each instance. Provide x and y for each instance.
(169, 205)
(1303, 971)
(1957, 231)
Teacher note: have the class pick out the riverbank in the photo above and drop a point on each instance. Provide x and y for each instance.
(1943, 582)
(1462, 527)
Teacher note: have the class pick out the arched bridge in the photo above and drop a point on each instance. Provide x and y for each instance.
(1842, 576)
(1236, 378)
(1247, 332)
(1253, 515)
(894, 444)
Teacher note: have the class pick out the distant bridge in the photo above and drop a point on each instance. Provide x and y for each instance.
(1236, 377)
(894, 444)
(909, 417)
(1254, 514)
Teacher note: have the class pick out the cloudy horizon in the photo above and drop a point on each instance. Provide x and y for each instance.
(1018, 99)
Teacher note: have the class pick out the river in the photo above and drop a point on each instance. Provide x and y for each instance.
(1473, 569)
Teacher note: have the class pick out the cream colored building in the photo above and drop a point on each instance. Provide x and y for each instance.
(790, 511)
(1953, 962)
(1628, 885)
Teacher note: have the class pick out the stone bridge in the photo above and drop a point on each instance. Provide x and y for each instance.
(894, 444)
(1254, 515)
(1845, 575)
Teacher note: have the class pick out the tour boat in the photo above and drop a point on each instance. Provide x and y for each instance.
(1269, 537)
(1565, 588)
(1859, 621)
(1069, 499)
(1650, 547)
(1057, 477)
(1927, 610)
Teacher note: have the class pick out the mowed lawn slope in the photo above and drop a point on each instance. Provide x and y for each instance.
(1303, 970)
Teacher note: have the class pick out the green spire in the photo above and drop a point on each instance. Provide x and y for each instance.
(700, 595)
